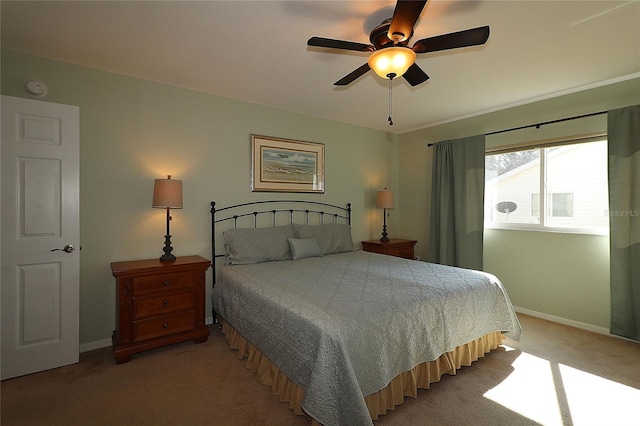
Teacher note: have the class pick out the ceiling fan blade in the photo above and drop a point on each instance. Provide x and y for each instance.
(339, 44)
(405, 16)
(415, 75)
(352, 75)
(471, 37)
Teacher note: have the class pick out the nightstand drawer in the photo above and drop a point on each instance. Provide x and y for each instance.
(162, 326)
(406, 252)
(165, 282)
(149, 306)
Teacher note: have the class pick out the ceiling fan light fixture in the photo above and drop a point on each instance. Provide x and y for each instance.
(391, 60)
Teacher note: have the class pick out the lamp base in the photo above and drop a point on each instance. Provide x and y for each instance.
(384, 238)
(167, 256)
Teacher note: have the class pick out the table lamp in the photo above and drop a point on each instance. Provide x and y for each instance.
(167, 194)
(384, 200)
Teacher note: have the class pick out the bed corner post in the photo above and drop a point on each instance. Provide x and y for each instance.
(349, 213)
(213, 255)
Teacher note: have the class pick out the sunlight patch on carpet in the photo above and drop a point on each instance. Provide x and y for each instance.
(557, 394)
(594, 400)
(529, 391)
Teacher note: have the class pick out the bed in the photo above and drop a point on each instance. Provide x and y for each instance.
(340, 334)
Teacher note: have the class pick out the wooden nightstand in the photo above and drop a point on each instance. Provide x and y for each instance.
(393, 247)
(158, 304)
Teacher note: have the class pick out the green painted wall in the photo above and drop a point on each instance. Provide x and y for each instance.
(133, 131)
(562, 275)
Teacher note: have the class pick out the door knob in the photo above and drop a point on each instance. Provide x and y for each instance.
(69, 248)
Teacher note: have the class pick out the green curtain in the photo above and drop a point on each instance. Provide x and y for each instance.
(457, 203)
(623, 128)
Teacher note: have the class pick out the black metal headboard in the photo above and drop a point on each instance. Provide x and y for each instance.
(270, 213)
(293, 211)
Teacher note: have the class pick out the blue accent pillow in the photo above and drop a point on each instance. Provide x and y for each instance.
(304, 247)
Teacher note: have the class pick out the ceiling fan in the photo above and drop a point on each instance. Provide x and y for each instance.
(391, 56)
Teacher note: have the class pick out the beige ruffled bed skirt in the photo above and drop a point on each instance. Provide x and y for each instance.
(404, 384)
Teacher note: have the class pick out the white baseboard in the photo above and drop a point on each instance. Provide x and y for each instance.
(565, 321)
(98, 344)
(571, 323)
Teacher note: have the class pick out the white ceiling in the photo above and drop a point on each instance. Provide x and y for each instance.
(256, 51)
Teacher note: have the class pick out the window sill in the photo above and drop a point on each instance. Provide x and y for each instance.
(558, 230)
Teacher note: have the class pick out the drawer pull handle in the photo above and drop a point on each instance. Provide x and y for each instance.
(166, 283)
(165, 325)
(165, 302)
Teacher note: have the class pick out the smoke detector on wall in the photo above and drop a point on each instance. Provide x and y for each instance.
(36, 88)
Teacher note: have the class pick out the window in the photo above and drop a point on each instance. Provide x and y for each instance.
(555, 188)
(562, 204)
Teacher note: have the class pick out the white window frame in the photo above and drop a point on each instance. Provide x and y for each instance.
(543, 203)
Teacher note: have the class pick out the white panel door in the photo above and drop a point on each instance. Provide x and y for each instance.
(40, 213)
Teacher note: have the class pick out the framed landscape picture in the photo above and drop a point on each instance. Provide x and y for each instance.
(284, 165)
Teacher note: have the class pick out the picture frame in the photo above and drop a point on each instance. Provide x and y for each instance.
(285, 165)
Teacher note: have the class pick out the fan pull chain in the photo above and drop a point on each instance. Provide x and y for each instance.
(391, 76)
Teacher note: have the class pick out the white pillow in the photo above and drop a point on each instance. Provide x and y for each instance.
(304, 247)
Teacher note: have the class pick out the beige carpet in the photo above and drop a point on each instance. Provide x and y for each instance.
(554, 375)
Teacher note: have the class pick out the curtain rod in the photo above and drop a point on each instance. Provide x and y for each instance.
(538, 125)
